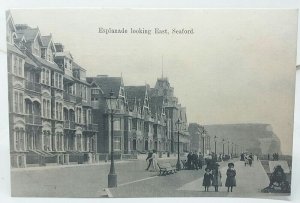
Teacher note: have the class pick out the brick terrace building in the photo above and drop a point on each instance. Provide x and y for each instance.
(58, 115)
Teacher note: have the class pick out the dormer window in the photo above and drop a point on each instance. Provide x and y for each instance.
(36, 48)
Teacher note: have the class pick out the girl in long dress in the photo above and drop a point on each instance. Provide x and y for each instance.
(217, 176)
(230, 180)
(207, 179)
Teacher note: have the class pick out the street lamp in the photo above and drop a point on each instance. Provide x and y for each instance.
(215, 139)
(203, 140)
(178, 165)
(223, 142)
(232, 148)
(112, 176)
(228, 146)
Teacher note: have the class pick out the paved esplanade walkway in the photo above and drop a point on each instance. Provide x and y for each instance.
(250, 180)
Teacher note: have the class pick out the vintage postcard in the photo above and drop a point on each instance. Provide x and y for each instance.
(151, 102)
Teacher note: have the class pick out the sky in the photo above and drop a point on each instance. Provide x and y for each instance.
(237, 67)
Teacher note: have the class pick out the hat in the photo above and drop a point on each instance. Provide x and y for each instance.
(207, 169)
(231, 164)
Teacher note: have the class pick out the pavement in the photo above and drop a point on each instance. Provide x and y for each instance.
(133, 181)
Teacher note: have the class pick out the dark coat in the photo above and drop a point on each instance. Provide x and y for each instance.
(207, 179)
(230, 180)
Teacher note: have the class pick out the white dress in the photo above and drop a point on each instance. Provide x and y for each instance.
(154, 161)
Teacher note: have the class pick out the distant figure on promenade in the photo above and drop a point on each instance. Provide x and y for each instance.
(230, 180)
(149, 160)
(154, 160)
(195, 161)
(189, 161)
(217, 176)
(200, 160)
(207, 179)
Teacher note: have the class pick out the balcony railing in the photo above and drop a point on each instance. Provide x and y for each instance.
(33, 119)
(69, 97)
(69, 125)
(32, 86)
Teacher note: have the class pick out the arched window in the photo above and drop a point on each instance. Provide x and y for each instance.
(47, 77)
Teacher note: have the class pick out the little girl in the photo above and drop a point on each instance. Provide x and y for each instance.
(216, 180)
(207, 179)
(230, 180)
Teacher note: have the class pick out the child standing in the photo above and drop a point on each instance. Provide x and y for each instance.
(216, 179)
(207, 179)
(230, 180)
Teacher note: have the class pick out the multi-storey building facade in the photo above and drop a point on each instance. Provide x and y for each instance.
(46, 123)
(58, 115)
(173, 111)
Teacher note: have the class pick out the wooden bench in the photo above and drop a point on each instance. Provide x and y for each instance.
(166, 169)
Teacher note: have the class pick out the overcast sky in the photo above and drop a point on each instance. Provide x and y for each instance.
(237, 67)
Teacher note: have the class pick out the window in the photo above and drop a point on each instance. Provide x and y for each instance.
(21, 102)
(9, 57)
(16, 102)
(95, 91)
(56, 80)
(47, 77)
(129, 124)
(117, 124)
(20, 67)
(48, 109)
(117, 143)
(59, 81)
(15, 65)
(60, 111)
(56, 108)
(44, 108)
(43, 76)
(85, 116)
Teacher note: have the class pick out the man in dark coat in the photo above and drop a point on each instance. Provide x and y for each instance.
(195, 161)
(189, 160)
(149, 157)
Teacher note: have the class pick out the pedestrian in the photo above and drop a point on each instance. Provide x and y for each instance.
(189, 160)
(217, 176)
(195, 161)
(149, 160)
(230, 180)
(207, 179)
(200, 160)
(154, 160)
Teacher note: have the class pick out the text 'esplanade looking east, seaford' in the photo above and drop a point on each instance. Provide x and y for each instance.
(155, 31)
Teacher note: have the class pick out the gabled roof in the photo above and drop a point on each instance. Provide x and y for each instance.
(136, 94)
(46, 40)
(47, 63)
(156, 105)
(107, 84)
(63, 54)
(15, 50)
(29, 33)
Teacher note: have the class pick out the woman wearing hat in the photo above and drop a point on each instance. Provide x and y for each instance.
(207, 179)
(230, 180)
(216, 179)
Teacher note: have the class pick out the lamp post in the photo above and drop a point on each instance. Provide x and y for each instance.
(203, 140)
(178, 165)
(228, 146)
(112, 176)
(215, 139)
(232, 148)
(223, 141)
